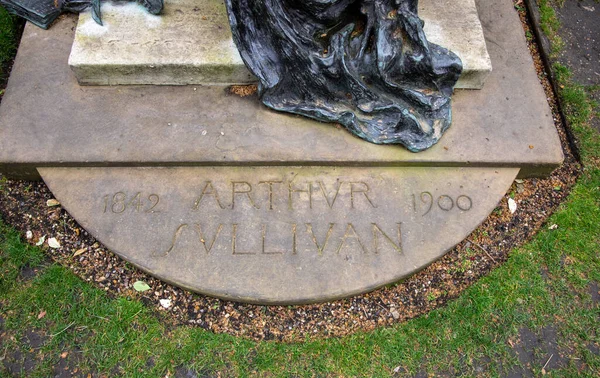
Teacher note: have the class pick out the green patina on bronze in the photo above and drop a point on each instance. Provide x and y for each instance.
(365, 64)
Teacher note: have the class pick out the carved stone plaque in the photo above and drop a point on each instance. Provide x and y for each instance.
(217, 194)
(279, 234)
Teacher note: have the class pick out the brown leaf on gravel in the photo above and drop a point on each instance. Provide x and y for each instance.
(52, 203)
(243, 90)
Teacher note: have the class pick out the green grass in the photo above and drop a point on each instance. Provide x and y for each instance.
(579, 109)
(550, 24)
(8, 32)
(120, 334)
(544, 284)
(575, 98)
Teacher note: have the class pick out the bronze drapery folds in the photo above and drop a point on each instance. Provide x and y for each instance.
(365, 64)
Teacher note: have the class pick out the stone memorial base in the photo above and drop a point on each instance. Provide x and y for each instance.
(190, 43)
(290, 234)
(218, 194)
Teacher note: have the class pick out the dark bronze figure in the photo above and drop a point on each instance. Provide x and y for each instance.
(43, 12)
(365, 64)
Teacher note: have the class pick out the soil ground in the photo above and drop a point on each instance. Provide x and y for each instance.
(24, 205)
(580, 30)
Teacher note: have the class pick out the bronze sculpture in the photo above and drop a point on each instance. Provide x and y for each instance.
(365, 64)
(43, 12)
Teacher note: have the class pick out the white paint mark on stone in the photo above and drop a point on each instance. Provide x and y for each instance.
(89, 28)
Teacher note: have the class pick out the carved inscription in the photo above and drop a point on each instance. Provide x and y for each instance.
(427, 203)
(120, 202)
(274, 194)
(293, 217)
(338, 238)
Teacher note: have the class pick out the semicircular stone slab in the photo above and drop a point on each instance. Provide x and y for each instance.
(279, 235)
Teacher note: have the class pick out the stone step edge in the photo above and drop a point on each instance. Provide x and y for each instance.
(29, 171)
(159, 228)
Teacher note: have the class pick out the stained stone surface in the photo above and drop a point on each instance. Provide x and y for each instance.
(455, 25)
(506, 124)
(217, 194)
(190, 43)
(279, 234)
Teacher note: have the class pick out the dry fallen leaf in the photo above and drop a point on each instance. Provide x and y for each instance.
(64, 354)
(52, 203)
(41, 241)
(79, 252)
(141, 286)
(512, 205)
(41, 314)
(53, 243)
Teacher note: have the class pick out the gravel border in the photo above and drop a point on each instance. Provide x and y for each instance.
(28, 207)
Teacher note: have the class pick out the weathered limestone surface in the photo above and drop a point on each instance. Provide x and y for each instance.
(279, 234)
(220, 195)
(455, 25)
(507, 123)
(191, 44)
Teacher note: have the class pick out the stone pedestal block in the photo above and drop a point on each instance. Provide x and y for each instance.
(220, 195)
(190, 43)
